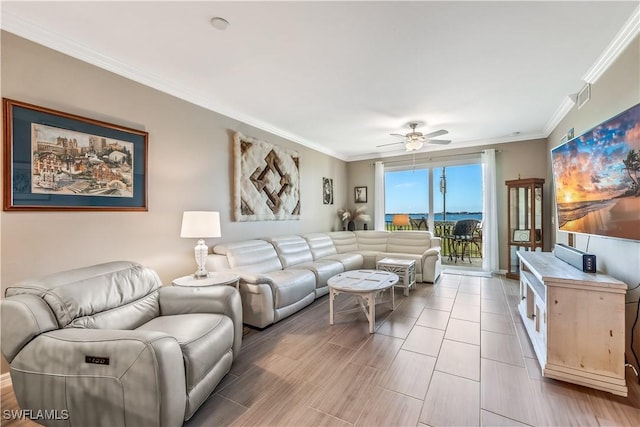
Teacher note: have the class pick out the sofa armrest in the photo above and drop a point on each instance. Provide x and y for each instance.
(24, 317)
(145, 366)
(434, 251)
(436, 241)
(209, 299)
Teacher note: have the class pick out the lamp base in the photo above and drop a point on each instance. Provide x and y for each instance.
(201, 250)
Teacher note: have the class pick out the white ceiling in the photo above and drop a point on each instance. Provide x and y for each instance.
(341, 76)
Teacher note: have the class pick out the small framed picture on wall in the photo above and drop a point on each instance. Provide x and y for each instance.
(360, 194)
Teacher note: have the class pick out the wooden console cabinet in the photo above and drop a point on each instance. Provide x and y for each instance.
(575, 321)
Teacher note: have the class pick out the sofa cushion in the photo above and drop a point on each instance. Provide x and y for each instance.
(413, 242)
(344, 241)
(350, 261)
(291, 250)
(372, 240)
(255, 256)
(291, 285)
(323, 269)
(203, 339)
(127, 288)
(320, 245)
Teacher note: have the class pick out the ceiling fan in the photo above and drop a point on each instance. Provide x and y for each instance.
(415, 140)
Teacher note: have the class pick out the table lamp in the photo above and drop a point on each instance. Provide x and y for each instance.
(400, 220)
(200, 225)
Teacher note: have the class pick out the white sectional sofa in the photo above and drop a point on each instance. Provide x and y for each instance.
(282, 274)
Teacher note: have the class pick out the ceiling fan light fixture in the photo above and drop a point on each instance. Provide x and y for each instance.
(413, 145)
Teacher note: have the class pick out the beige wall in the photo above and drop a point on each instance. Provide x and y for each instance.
(617, 90)
(525, 159)
(189, 168)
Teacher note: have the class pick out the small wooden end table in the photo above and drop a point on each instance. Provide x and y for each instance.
(214, 278)
(364, 284)
(404, 268)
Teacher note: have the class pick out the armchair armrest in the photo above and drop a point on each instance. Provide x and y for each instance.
(210, 299)
(121, 366)
(24, 317)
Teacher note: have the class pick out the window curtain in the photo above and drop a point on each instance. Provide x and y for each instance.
(378, 200)
(490, 260)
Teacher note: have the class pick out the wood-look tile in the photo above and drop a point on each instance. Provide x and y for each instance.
(560, 404)
(449, 281)
(497, 323)
(409, 307)
(451, 401)
(494, 306)
(533, 369)
(436, 319)
(613, 410)
(397, 326)
(523, 339)
(326, 358)
(216, 411)
(348, 392)
(468, 299)
(464, 331)
(495, 294)
(271, 373)
(282, 408)
(353, 334)
(424, 340)
(441, 291)
(466, 312)
(489, 419)
(409, 374)
(470, 285)
(461, 359)
(501, 348)
(505, 390)
(387, 408)
(439, 303)
(378, 351)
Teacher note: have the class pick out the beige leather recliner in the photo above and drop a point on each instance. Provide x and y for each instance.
(107, 345)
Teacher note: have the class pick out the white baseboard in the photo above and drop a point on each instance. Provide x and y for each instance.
(5, 379)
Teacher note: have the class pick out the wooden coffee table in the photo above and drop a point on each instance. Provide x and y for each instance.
(364, 284)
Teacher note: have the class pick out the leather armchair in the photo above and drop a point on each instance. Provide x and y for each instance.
(107, 345)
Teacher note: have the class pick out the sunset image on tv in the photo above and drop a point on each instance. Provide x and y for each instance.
(596, 178)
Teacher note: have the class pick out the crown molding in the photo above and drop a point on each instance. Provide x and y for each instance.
(628, 32)
(563, 109)
(30, 31)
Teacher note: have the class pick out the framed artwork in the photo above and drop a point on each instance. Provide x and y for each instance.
(327, 191)
(360, 194)
(58, 161)
(521, 235)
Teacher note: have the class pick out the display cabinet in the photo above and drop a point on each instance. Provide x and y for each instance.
(524, 220)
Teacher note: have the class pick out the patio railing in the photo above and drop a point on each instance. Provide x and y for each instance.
(442, 229)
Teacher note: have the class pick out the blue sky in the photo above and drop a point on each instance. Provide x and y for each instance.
(407, 191)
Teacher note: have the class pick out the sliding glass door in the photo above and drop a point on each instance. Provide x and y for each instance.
(435, 198)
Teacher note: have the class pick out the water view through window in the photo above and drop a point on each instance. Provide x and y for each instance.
(407, 192)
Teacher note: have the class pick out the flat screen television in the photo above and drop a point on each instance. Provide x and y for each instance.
(596, 179)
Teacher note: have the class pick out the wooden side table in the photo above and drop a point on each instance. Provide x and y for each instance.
(404, 268)
(214, 278)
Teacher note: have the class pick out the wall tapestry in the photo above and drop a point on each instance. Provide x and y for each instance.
(266, 181)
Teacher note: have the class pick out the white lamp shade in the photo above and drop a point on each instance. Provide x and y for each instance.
(200, 224)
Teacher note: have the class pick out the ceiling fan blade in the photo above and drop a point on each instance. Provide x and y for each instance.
(436, 133)
(393, 143)
(439, 141)
(398, 135)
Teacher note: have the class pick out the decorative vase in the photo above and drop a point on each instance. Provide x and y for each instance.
(351, 226)
(365, 226)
